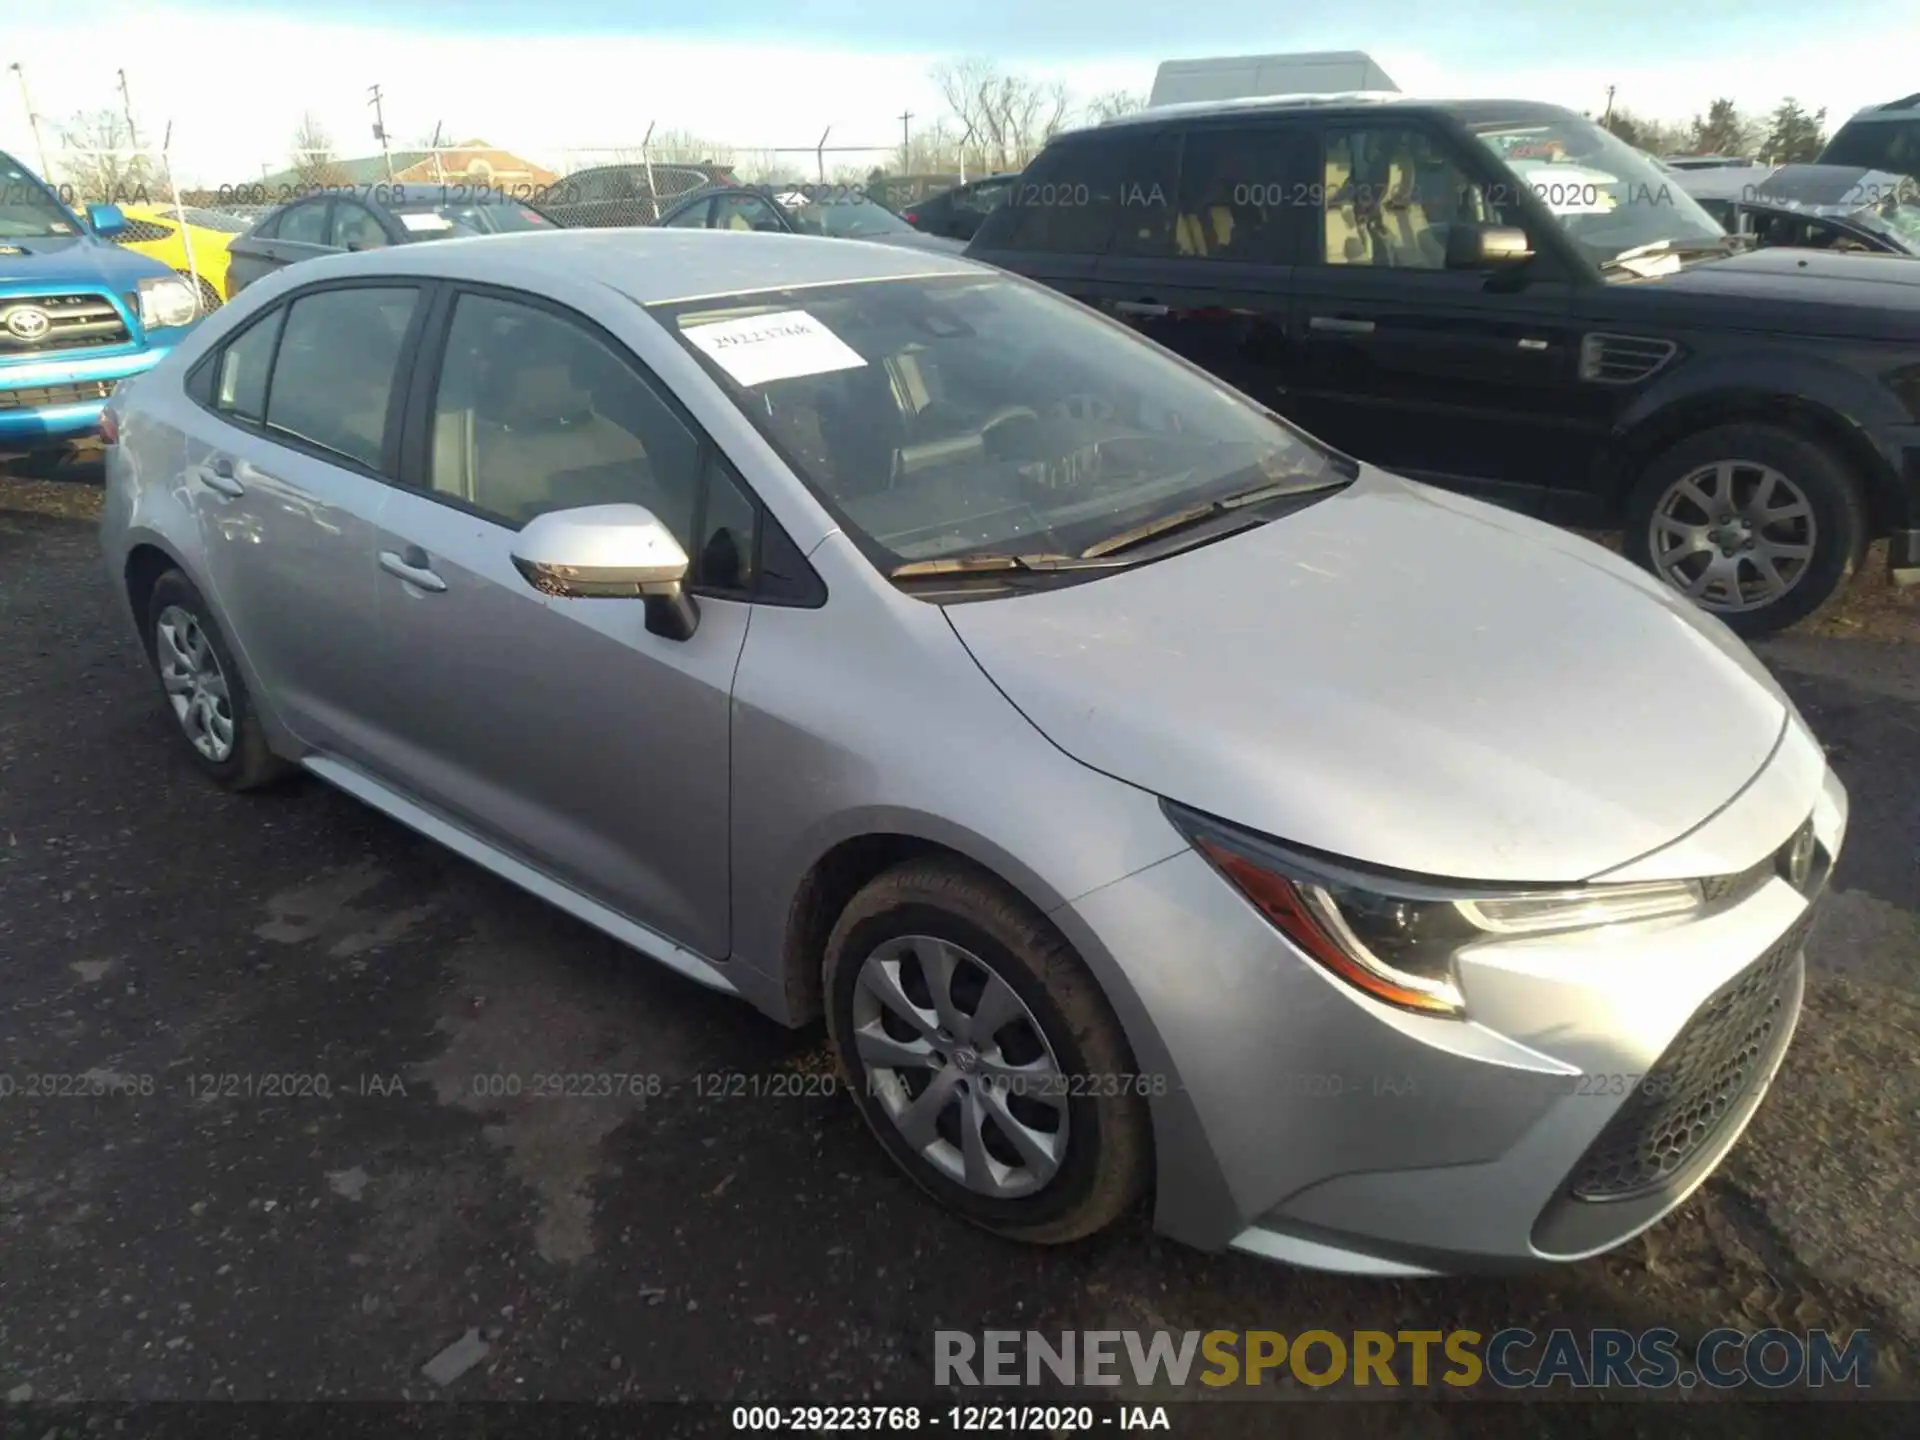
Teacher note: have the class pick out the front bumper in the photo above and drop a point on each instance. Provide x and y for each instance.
(59, 397)
(1307, 1123)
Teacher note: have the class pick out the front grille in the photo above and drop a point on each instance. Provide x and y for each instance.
(74, 322)
(1682, 1101)
(46, 396)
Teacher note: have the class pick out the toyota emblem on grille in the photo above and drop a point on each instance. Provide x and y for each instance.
(24, 322)
(1796, 861)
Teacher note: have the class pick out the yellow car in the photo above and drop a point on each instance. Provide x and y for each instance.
(155, 231)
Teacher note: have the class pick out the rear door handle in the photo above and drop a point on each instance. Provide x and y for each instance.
(1340, 325)
(217, 474)
(1145, 308)
(411, 566)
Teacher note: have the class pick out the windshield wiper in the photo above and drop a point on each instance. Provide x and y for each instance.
(1679, 249)
(1194, 515)
(988, 563)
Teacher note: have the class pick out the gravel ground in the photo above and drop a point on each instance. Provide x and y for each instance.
(204, 1242)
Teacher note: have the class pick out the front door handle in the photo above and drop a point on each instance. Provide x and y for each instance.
(1146, 308)
(1340, 325)
(217, 474)
(411, 566)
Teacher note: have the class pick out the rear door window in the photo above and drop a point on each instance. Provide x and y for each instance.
(1071, 199)
(240, 390)
(1247, 194)
(334, 374)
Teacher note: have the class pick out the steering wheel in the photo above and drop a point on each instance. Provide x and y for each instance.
(1081, 406)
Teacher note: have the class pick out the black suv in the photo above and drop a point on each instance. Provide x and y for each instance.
(1500, 297)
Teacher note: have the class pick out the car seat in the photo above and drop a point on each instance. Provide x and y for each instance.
(1347, 239)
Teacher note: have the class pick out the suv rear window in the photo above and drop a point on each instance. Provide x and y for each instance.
(1877, 145)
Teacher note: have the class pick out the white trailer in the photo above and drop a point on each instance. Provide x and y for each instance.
(1238, 77)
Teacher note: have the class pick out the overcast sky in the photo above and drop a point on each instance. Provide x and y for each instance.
(542, 76)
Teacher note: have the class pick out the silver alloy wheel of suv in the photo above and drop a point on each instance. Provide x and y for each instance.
(1733, 535)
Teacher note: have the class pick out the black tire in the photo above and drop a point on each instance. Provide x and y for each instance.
(1839, 515)
(250, 764)
(1109, 1146)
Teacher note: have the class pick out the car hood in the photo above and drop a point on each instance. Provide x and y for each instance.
(1402, 677)
(73, 259)
(915, 240)
(1806, 292)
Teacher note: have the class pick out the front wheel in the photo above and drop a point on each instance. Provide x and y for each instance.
(1760, 526)
(983, 1055)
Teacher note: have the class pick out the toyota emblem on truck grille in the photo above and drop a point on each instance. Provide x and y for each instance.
(24, 322)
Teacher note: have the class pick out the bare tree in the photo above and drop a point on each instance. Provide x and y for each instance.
(683, 147)
(1113, 104)
(99, 160)
(314, 161)
(1004, 118)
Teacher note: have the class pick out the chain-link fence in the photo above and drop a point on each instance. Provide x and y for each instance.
(161, 218)
(185, 209)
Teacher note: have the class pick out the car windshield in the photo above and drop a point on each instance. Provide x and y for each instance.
(1899, 218)
(26, 209)
(215, 220)
(451, 219)
(1605, 194)
(845, 217)
(970, 417)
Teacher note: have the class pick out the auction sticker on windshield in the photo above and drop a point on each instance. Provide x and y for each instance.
(426, 222)
(760, 348)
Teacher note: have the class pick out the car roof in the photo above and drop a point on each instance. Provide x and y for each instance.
(1907, 107)
(1350, 102)
(650, 265)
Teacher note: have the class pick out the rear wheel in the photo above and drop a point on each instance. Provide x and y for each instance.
(203, 690)
(1756, 524)
(984, 1056)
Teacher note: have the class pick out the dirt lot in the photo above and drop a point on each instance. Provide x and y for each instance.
(202, 1242)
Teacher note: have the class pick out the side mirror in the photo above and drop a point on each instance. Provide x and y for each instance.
(610, 552)
(770, 227)
(106, 221)
(1484, 247)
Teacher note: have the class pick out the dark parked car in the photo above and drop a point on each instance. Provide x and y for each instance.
(625, 194)
(1502, 298)
(842, 212)
(1815, 207)
(1881, 137)
(368, 218)
(957, 213)
(1710, 162)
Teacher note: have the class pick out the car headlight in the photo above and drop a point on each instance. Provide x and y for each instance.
(1397, 938)
(167, 301)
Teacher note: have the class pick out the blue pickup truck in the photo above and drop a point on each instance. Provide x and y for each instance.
(77, 314)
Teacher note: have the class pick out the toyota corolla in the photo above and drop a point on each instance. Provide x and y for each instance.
(1158, 806)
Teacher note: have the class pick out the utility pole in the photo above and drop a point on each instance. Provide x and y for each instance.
(906, 141)
(439, 171)
(380, 128)
(1606, 120)
(33, 122)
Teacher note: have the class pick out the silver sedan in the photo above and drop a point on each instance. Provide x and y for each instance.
(1157, 806)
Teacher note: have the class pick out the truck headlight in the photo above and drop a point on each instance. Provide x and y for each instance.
(167, 301)
(1396, 938)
